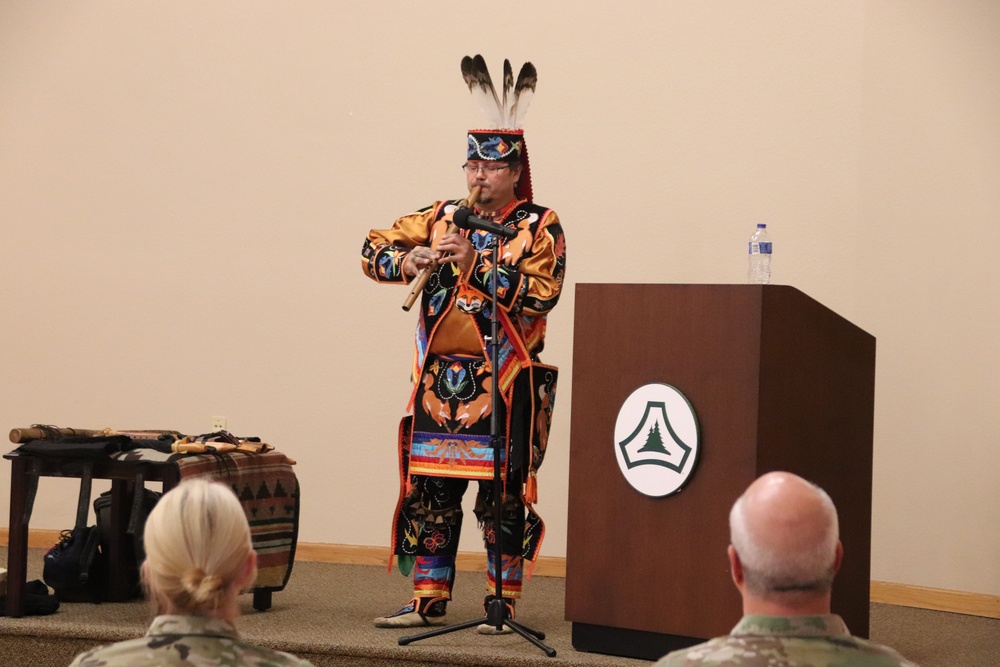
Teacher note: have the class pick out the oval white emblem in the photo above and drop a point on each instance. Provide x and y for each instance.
(656, 440)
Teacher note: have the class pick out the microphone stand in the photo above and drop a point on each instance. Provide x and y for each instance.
(497, 614)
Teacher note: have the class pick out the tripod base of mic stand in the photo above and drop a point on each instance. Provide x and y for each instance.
(497, 616)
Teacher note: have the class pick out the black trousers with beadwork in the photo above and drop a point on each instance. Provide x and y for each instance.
(436, 502)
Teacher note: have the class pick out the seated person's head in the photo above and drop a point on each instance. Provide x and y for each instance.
(199, 554)
(785, 534)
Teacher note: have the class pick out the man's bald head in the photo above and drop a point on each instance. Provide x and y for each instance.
(786, 535)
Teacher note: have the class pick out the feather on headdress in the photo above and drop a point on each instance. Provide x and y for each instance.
(506, 112)
(502, 140)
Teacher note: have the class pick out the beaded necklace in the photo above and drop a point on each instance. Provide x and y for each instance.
(501, 215)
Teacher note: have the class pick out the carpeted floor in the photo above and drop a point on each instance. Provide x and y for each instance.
(325, 615)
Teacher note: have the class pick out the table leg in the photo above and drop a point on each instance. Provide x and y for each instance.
(119, 563)
(17, 539)
(261, 599)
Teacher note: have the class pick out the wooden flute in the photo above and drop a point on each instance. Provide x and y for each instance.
(421, 280)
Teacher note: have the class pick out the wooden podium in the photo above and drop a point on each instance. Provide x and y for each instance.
(778, 382)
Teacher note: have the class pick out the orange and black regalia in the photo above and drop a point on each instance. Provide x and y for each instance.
(445, 439)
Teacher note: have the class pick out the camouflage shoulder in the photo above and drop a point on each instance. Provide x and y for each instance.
(269, 658)
(718, 652)
(88, 658)
(857, 651)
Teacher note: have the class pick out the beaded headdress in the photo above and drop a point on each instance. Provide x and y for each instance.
(502, 140)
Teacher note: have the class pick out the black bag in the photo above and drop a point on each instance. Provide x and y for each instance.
(74, 567)
(142, 501)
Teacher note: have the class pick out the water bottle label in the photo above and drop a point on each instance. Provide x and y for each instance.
(763, 248)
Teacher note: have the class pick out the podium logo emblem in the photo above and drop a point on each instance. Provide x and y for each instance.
(656, 440)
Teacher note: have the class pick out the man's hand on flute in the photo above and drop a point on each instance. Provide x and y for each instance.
(453, 248)
(420, 258)
(458, 249)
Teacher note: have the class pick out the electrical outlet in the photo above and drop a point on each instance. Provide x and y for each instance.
(218, 423)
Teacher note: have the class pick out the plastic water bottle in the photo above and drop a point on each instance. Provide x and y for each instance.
(760, 256)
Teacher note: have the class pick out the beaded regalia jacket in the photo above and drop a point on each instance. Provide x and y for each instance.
(530, 277)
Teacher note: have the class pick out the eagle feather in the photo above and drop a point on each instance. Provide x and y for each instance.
(477, 77)
(524, 90)
(508, 112)
(508, 85)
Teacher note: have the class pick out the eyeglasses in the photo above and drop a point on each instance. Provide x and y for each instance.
(489, 169)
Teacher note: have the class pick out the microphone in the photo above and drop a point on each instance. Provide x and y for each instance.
(464, 219)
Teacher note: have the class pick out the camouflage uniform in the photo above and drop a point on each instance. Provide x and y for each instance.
(178, 641)
(787, 641)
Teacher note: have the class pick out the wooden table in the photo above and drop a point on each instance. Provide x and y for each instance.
(26, 470)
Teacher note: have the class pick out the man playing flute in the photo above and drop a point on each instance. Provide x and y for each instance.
(445, 439)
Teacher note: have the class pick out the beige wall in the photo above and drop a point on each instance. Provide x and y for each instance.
(184, 188)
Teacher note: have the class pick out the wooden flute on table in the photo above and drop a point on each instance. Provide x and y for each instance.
(44, 432)
(421, 280)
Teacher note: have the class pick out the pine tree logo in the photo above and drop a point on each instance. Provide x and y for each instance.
(656, 439)
(653, 451)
